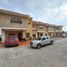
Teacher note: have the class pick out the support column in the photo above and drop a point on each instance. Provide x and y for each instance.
(3, 36)
(24, 34)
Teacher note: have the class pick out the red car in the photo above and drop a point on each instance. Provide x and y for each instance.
(11, 41)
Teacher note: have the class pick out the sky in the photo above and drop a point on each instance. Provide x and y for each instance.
(47, 11)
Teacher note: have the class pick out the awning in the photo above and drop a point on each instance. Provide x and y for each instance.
(13, 29)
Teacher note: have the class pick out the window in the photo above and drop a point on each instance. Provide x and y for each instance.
(41, 27)
(16, 20)
(47, 37)
(43, 38)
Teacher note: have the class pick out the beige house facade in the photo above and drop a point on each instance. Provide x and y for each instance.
(55, 31)
(41, 29)
(15, 23)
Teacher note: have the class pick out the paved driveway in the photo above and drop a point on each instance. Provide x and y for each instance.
(49, 56)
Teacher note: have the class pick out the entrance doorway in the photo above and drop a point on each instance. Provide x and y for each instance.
(20, 36)
(40, 34)
(34, 36)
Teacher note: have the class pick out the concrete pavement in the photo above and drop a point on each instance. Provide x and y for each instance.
(48, 56)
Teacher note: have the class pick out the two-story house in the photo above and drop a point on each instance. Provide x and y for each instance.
(12, 23)
(58, 31)
(55, 30)
(39, 29)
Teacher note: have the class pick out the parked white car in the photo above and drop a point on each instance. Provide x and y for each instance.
(44, 40)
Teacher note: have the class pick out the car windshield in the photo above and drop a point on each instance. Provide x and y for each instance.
(38, 38)
(11, 37)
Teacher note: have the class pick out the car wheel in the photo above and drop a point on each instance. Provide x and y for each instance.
(39, 46)
(51, 42)
(16, 45)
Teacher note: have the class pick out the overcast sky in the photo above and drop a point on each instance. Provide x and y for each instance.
(49, 11)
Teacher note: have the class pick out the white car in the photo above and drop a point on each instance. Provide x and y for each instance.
(44, 40)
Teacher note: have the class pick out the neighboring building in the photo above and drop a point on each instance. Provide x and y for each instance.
(15, 23)
(64, 34)
(58, 31)
(41, 28)
(55, 30)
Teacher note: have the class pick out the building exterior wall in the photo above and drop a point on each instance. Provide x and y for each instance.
(39, 30)
(42, 30)
(51, 30)
(5, 22)
(55, 31)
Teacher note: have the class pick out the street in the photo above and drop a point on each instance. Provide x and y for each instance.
(48, 56)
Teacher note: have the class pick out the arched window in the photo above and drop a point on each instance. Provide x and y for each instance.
(41, 27)
(16, 20)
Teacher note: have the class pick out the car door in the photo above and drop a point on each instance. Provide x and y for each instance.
(43, 41)
(47, 40)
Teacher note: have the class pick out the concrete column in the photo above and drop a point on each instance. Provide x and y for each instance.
(36, 35)
(3, 36)
(24, 34)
